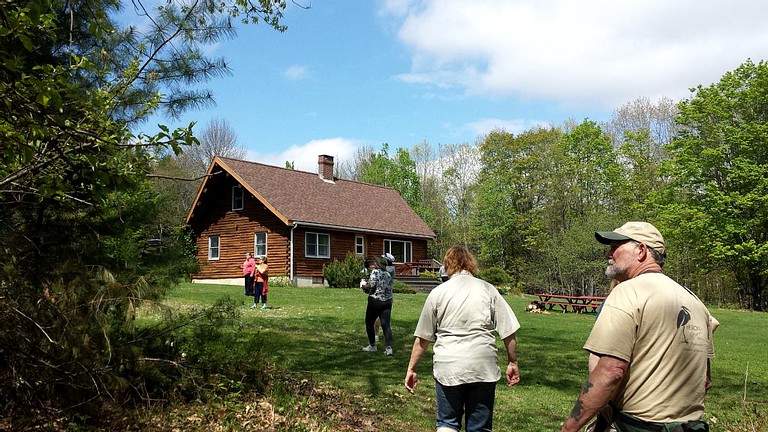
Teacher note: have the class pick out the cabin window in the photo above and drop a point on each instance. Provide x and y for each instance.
(400, 249)
(237, 198)
(260, 244)
(317, 245)
(213, 248)
(359, 245)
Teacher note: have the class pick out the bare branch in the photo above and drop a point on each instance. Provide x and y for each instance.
(36, 324)
(149, 359)
(182, 178)
(302, 6)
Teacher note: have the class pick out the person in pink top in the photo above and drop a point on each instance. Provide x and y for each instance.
(249, 269)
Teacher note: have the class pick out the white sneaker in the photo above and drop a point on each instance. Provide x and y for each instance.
(388, 351)
(370, 348)
(264, 307)
(254, 306)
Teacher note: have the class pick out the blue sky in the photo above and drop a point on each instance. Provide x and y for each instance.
(349, 73)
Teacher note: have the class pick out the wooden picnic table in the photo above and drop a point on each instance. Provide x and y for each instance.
(567, 303)
(414, 268)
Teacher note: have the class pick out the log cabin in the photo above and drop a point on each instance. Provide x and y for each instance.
(299, 220)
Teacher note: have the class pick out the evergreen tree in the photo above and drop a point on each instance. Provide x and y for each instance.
(78, 215)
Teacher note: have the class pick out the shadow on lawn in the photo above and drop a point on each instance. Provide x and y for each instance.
(334, 348)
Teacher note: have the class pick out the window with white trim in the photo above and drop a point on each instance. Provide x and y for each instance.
(317, 245)
(237, 197)
(213, 248)
(359, 245)
(260, 244)
(400, 249)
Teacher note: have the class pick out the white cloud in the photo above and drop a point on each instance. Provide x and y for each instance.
(296, 72)
(595, 52)
(304, 157)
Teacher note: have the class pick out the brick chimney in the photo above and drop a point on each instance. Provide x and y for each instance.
(325, 167)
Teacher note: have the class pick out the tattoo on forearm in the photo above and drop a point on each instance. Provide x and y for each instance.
(577, 408)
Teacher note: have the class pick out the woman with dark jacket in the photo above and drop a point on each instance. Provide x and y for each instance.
(379, 288)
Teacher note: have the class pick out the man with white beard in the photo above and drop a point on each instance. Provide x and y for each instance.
(653, 342)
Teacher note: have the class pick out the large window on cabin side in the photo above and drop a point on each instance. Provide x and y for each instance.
(237, 198)
(359, 245)
(317, 245)
(260, 244)
(213, 247)
(400, 249)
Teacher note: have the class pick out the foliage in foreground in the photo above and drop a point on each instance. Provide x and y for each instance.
(83, 240)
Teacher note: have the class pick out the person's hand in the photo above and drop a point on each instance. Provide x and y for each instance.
(411, 381)
(513, 374)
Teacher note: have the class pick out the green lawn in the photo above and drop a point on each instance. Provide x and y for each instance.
(319, 332)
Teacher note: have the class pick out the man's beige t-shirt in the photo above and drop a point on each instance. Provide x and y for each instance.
(662, 330)
(460, 317)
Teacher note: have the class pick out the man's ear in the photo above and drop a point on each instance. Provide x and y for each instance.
(643, 252)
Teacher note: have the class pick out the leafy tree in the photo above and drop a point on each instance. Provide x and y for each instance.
(581, 188)
(572, 262)
(76, 205)
(640, 131)
(539, 192)
(717, 204)
(398, 172)
(510, 194)
(583, 176)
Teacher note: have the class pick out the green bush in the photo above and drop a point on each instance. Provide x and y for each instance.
(430, 275)
(345, 273)
(494, 275)
(401, 288)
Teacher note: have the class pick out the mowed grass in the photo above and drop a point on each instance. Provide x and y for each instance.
(318, 333)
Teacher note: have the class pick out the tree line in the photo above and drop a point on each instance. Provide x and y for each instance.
(530, 202)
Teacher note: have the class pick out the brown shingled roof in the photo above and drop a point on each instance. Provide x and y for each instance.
(304, 197)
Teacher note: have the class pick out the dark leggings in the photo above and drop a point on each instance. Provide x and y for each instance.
(383, 311)
(248, 285)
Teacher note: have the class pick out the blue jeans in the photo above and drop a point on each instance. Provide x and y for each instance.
(473, 401)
